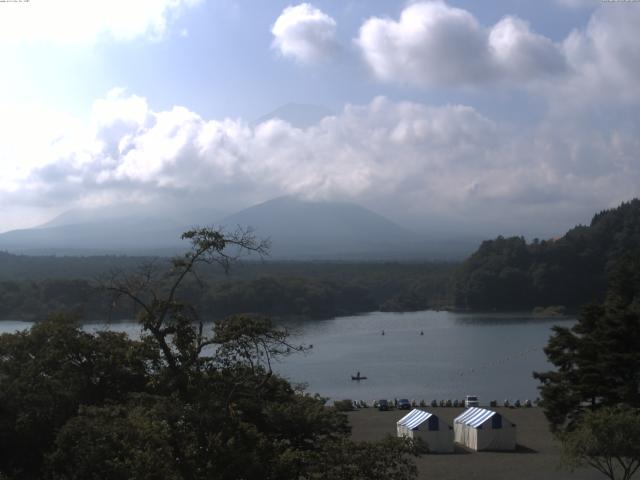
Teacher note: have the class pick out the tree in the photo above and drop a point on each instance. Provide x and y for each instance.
(598, 359)
(173, 324)
(211, 406)
(122, 441)
(48, 372)
(180, 403)
(608, 440)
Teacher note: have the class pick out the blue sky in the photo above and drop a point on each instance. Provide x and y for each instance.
(491, 117)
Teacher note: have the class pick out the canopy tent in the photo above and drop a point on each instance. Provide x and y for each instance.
(438, 435)
(481, 429)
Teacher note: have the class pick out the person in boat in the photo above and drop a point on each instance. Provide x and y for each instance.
(421, 332)
(382, 332)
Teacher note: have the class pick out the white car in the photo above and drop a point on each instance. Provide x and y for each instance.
(471, 401)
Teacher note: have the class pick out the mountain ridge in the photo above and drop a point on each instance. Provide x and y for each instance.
(299, 229)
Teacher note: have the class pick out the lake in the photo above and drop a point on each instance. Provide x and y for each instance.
(489, 355)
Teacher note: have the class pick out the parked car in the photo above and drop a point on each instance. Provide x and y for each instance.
(403, 404)
(471, 401)
(383, 405)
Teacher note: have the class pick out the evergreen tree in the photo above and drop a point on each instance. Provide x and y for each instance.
(597, 360)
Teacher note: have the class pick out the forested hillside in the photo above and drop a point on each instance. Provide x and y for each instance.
(503, 274)
(33, 287)
(509, 273)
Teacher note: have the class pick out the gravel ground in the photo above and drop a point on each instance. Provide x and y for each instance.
(537, 456)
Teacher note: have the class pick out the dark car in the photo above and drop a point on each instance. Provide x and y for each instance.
(383, 405)
(404, 404)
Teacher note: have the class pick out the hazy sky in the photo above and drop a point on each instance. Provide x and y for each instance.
(498, 116)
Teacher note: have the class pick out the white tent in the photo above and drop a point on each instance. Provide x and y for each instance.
(438, 435)
(481, 429)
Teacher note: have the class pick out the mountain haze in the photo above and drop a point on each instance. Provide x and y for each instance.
(299, 230)
(297, 114)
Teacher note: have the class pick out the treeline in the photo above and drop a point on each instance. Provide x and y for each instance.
(509, 273)
(318, 290)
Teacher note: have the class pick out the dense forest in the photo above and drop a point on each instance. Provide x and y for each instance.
(509, 273)
(32, 287)
(503, 274)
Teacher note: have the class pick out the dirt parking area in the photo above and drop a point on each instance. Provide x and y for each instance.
(537, 456)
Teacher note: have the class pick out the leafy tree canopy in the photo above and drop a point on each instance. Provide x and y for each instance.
(509, 273)
(607, 440)
(597, 361)
(181, 403)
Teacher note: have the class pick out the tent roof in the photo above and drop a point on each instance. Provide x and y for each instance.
(474, 417)
(414, 418)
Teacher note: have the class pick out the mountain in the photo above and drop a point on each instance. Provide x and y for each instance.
(298, 229)
(302, 229)
(511, 274)
(131, 213)
(128, 229)
(108, 236)
(297, 114)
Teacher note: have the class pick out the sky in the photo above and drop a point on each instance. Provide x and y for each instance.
(493, 117)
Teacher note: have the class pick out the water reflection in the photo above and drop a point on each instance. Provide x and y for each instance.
(515, 318)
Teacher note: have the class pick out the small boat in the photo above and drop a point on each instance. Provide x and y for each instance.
(358, 377)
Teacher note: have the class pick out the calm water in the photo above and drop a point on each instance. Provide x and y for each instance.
(490, 355)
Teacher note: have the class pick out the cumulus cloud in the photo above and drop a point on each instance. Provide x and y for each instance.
(522, 55)
(435, 44)
(304, 33)
(605, 57)
(84, 21)
(406, 159)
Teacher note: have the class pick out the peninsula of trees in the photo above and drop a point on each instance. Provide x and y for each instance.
(511, 274)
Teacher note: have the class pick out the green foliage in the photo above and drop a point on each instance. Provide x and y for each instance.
(182, 403)
(48, 372)
(310, 290)
(597, 360)
(508, 273)
(608, 440)
(345, 405)
(132, 440)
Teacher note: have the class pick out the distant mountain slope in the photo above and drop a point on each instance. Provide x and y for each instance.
(508, 273)
(297, 114)
(300, 228)
(124, 229)
(120, 235)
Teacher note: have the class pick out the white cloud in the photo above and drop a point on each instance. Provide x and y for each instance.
(605, 57)
(407, 159)
(433, 44)
(522, 55)
(86, 21)
(304, 33)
